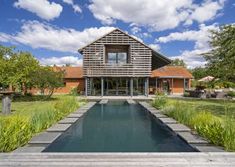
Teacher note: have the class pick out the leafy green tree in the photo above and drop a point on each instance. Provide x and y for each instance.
(47, 80)
(16, 68)
(23, 66)
(199, 72)
(221, 59)
(178, 62)
(5, 65)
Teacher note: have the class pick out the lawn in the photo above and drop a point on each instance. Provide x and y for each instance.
(212, 119)
(216, 107)
(32, 115)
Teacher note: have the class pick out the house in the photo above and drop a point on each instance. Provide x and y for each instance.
(170, 79)
(73, 79)
(119, 64)
(167, 79)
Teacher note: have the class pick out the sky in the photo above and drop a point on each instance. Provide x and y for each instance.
(53, 30)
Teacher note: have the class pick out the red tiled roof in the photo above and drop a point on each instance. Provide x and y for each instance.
(71, 72)
(171, 72)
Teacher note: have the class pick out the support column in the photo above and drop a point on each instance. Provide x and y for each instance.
(156, 86)
(147, 87)
(131, 86)
(102, 86)
(184, 84)
(86, 86)
(172, 86)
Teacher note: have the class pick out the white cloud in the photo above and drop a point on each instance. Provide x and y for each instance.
(75, 7)
(61, 61)
(39, 35)
(200, 38)
(42, 8)
(155, 47)
(156, 15)
(206, 11)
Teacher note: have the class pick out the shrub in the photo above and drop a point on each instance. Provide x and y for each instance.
(159, 102)
(231, 94)
(74, 91)
(219, 131)
(17, 129)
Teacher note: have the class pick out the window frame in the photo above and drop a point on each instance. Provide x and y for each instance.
(117, 49)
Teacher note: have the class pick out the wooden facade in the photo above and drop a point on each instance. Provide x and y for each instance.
(139, 64)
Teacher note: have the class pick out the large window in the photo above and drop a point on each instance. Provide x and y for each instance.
(117, 54)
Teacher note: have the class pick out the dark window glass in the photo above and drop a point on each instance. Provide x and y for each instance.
(112, 58)
(117, 54)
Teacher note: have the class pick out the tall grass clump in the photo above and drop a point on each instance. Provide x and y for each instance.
(17, 129)
(218, 130)
(159, 101)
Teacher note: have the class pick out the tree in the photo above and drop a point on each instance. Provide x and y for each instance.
(16, 68)
(23, 67)
(5, 65)
(178, 62)
(221, 58)
(199, 72)
(47, 80)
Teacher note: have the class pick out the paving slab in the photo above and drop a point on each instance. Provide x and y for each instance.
(74, 115)
(207, 148)
(168, 120)
(30, 149)
(130, 101)
(59, 128)
(154, 111)
(44, 138)
(68, 121)
(104, 101)
(160, 115)
(192, 139)
(179, 127)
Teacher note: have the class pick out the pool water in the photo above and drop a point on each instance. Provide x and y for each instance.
(118, 127)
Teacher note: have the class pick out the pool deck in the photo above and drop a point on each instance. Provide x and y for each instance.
(31, 154)
(119, 159)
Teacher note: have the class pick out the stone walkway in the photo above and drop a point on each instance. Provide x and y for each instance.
(39, 142)
(182, 131)
(119, 159)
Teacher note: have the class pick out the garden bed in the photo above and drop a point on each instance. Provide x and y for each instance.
(31, 117)
(213, 120)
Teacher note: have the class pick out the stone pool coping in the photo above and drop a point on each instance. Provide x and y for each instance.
(182, 131)
(193, 159)
(40, 141)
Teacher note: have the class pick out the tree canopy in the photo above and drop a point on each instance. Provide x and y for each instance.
(178, 62)
(221, 58)
(22, 71)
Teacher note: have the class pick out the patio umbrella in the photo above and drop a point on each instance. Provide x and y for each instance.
(206, 79)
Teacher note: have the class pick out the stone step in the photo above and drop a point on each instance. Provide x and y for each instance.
(192, 139)
(44, 138)
(168, 120)
(178, 127)
(59, 128)
(68, 120)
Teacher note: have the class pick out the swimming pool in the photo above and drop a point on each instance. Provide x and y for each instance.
(118, 127)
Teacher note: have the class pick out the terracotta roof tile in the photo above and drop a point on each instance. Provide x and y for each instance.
(171, 72)
(71, 72)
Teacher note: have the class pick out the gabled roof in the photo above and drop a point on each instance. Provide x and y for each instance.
(171, 72)
(156, 56)
(71, 72)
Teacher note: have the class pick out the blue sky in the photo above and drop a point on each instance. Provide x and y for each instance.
(53, 30)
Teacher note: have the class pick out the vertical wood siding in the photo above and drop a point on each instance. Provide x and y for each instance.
(94, 58)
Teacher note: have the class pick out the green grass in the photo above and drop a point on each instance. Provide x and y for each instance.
(214, 120)
(29, 118)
